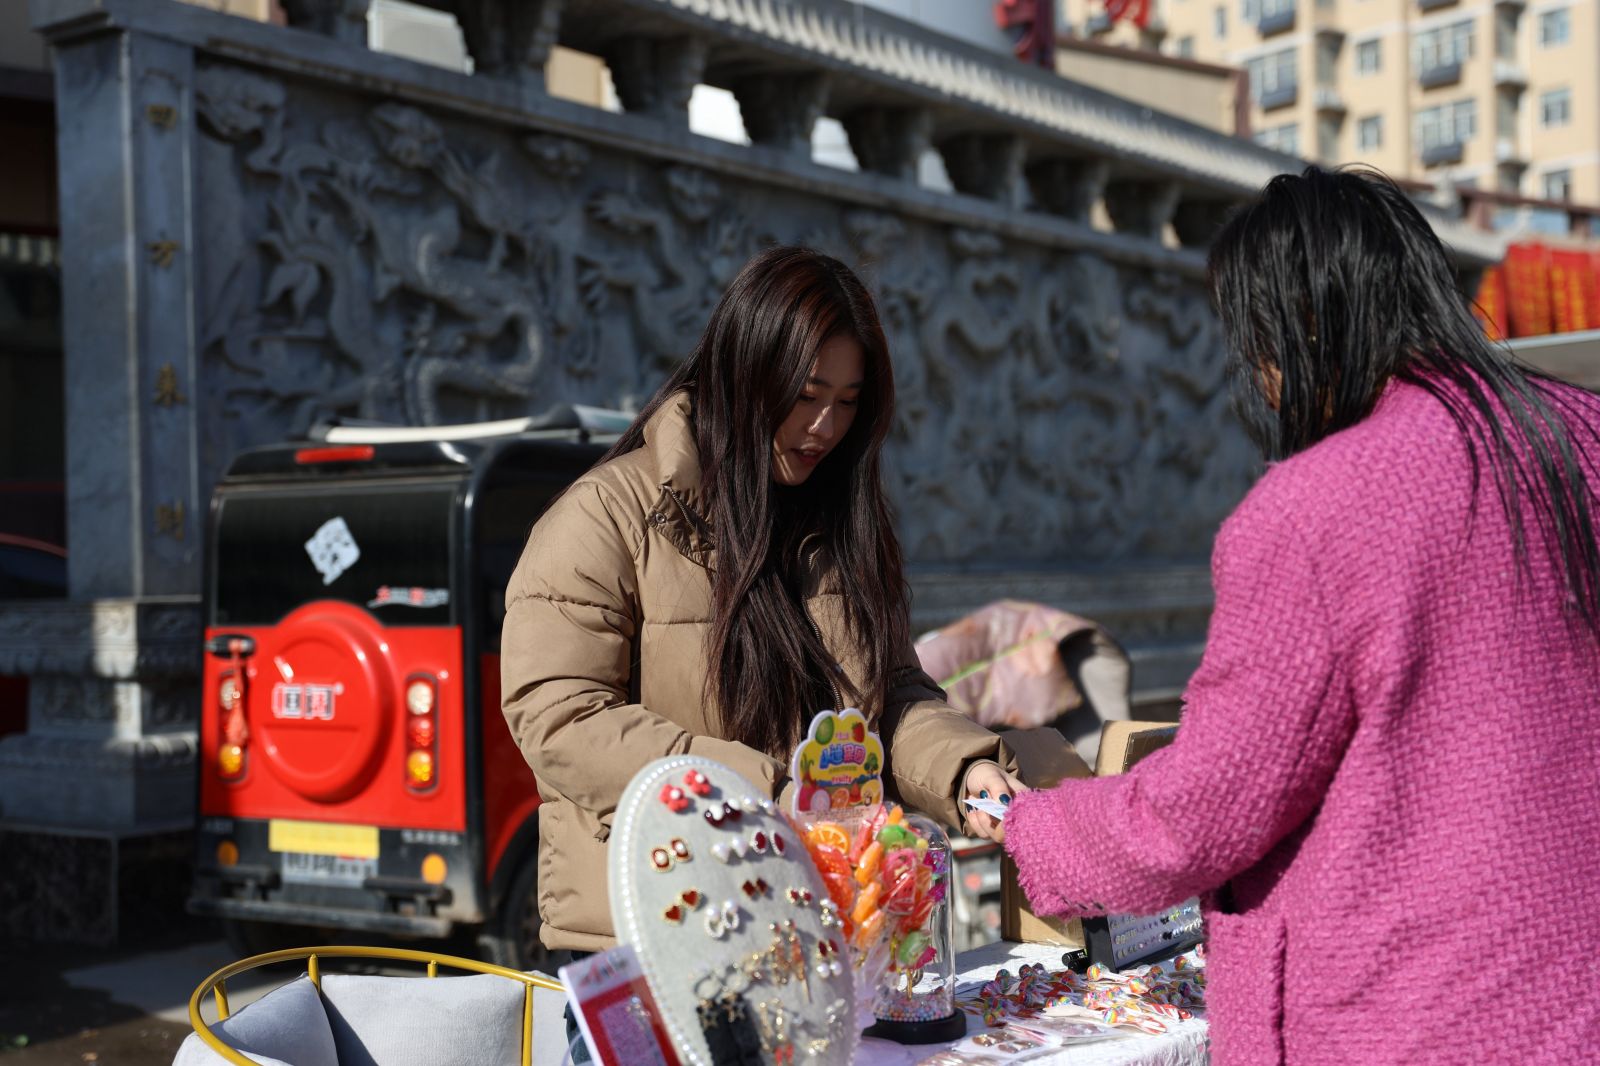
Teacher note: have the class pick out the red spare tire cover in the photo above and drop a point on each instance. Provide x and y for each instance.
(322, 698)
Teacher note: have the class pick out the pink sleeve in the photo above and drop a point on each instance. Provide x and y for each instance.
(1266, 719)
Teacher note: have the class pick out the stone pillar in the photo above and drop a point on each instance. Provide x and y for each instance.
(781, 110)
(889, 140)
(1142, 208)
(343, 20)
(106, 769)
(510, 39)
(97, 797)
(986, 165)
(655, 76)
(1069, 187)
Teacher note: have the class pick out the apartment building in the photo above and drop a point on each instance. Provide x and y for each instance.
(1503, 95)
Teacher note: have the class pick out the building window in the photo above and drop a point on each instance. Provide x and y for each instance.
(1555, 27)
(1285, 138)
(1249, 11)
(1447, 124)
(1558, 185)
(1505, 33)
(1272, 73)
(1369, 57)
(1269, 8)
(1555, 108)
(1446, 46)
(1219, 23)
(1186, 47)
(1369, 133)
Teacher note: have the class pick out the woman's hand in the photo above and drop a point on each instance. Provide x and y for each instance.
(986, 780)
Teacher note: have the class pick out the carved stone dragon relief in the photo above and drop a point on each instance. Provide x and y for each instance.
(1051, 406)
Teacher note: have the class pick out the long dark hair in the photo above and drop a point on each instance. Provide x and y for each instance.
(1334, 283)
(768, 670)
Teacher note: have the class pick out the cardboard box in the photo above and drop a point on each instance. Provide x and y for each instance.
(1121, 745)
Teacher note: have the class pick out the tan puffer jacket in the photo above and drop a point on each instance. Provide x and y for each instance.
(603, 666)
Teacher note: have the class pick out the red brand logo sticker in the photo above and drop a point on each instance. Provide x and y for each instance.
(305, 700)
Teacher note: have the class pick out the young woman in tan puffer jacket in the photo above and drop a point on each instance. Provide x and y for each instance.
(728, 570)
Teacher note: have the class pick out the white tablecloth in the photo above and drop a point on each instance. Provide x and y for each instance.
(1184, 1043)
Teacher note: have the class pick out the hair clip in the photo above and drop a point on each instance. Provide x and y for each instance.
(687, 900)
(758, 842)
(729, 851)
(697, 783)
(675, 798)
(723, 918)
(758, 887)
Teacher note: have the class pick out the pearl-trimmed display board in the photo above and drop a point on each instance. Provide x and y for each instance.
(693, 845)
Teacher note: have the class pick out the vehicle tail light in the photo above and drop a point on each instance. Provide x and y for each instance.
(235, 732)
(354, 453)
(422, 732)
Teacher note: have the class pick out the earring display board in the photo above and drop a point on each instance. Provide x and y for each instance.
(734, 929)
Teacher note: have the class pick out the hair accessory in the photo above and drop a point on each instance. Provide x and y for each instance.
(675, 798)
(697, 782)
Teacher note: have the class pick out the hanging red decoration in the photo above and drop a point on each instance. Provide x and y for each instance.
(1135, 11)
(1036, 22)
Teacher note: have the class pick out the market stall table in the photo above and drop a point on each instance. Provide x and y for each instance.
(1185, 1042)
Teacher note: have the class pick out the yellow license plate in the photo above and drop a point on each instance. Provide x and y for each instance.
(323, 838)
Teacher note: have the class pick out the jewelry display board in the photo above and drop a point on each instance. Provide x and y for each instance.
(733, 927)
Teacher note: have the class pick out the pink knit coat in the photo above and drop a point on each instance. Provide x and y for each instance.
(1386, 784)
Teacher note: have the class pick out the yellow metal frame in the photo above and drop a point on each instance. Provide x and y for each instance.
(216, 984)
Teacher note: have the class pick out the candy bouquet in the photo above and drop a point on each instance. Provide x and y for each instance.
(886, 875)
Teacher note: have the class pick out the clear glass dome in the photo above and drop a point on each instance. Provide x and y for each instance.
(915, 1001)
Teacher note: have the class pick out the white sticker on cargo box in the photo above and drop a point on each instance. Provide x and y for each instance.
(332, 549)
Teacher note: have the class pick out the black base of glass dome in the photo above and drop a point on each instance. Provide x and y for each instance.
(937, 1031)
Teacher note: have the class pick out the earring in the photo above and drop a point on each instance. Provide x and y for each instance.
(777, 843)
(828, 964)
(680, 849)
(688, 900)
(661, 859)
(675, 798)
(758, 842)
(729, 851)
(830, 913)
(697, 783)
(758, 887)
(716, 814)
(801, 897)
(723, 918)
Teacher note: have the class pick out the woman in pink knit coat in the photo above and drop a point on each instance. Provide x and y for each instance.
(1386, 784)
